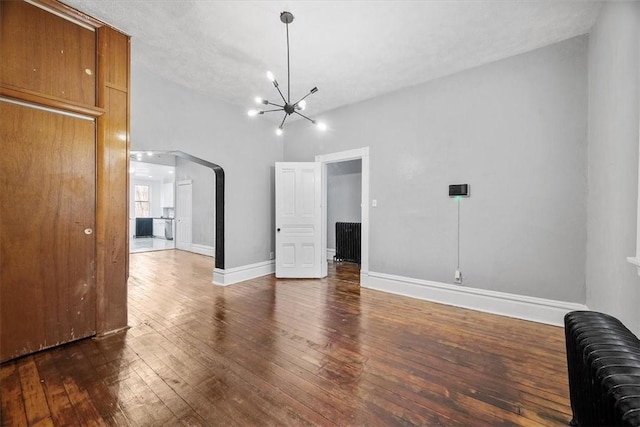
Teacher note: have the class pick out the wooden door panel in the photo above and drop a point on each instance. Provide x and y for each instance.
(113, 213)
(47, 201)
(46, 54)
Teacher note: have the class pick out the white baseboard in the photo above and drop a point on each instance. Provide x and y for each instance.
(230, 276)
(203, 249)
(519, 306)
(330, 254)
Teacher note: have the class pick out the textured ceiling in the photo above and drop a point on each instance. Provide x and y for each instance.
(150, 171)
(350, 50)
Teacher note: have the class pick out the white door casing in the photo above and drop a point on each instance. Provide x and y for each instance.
(363, 155)
(298, 220)
(183, 215)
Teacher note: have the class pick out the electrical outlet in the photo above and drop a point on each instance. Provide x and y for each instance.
(457, 277)
(272, 255)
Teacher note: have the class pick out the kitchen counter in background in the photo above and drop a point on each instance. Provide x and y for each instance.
(154, 227)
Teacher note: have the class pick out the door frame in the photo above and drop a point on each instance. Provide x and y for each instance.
(342, 156)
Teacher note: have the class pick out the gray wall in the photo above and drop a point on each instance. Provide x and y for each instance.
(344, 194)
(613, 285)
(166, 116)
(516, 131)
(203, 214)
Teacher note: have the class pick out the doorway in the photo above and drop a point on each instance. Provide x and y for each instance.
(344, 210)
(344, 156)
(217, 197)
(195, 207)
(151, 202)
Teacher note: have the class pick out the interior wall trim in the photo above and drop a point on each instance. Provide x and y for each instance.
(225, 277)
(65, 16)
(354, 154)
(524, 307)
(66, 109)
(330, 254)
(203, 249)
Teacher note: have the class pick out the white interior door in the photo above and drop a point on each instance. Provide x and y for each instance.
(298, 220)
(183, 215)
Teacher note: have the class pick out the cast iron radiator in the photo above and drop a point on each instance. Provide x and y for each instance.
(603, 361)
(347, 242)
(144, 227)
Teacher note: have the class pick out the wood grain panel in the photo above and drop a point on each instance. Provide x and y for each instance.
(304, 352)
(32, 97)
(113, 184)
(114, 53)
(46, 54)
(47, 269)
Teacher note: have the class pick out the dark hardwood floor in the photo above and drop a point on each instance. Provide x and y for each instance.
(290, 352)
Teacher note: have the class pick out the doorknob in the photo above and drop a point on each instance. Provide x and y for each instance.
(278, 230)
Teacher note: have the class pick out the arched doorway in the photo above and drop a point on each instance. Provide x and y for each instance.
(218, 198)
(219, 202)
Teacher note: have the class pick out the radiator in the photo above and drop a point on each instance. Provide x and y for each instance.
(603, 362)
(347, 242)
(144, 227)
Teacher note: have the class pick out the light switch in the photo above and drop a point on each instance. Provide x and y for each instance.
(374, 203)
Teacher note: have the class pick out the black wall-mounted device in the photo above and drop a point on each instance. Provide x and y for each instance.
(459, 190)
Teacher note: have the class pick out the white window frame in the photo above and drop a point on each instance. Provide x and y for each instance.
(148, 201)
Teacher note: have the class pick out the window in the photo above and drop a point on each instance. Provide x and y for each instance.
(142, 200)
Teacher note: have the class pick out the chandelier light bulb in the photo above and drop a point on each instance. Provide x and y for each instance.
(287, 106)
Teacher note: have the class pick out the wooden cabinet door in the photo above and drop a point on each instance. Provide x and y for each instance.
(45, 54)
(47, 219)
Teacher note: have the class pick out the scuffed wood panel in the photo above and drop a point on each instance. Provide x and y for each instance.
(113, 176)
(114, 58)
(47, 269)
(46, 54)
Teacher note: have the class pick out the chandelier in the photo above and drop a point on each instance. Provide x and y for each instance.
(289, 108)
